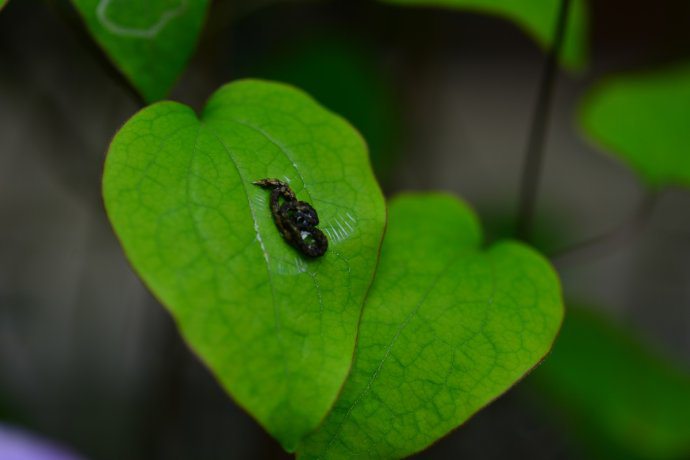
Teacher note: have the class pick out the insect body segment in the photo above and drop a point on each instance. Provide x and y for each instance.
(296, 220)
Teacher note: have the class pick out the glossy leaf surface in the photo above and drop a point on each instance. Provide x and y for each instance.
(644, 120)
(149, 41)
(536, 17)
(447, 328)
(277, 329)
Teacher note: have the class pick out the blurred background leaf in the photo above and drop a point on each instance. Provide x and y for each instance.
(622, 397)
(3, 3)
(644, 119)
(150, 42)
(536, 17)
(345, 76)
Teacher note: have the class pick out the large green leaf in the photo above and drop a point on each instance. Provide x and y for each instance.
(149, 41)
(622, 397)
(536, 17)
(447, 327)
(278, 330)
(644, 119)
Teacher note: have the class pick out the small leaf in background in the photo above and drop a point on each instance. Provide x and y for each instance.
(537, 18)
(345, 77)
(3, 3)
(644, 119)
(447, 328)
(621, 397)
(277, 329)
(150, 42)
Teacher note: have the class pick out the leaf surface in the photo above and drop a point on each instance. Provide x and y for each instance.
(447, 327)
(278, 330)
(644, 120)
(536, 17)
(149, 41)
(626, 400)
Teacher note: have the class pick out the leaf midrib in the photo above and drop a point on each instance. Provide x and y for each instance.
(266, 257)
(312, 275)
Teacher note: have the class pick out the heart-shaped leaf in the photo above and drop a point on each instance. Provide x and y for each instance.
(447, 327)
(276, 328)
(644, 120)
(150, 42)
(536, 17)
(624, 398)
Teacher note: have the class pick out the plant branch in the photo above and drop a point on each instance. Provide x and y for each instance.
(534, 157)
(604, 244)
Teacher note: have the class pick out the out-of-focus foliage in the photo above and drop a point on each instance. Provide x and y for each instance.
(548, 236)
(627, 401)
(644, 119)
(447, 327)
(537, 18)
(3, 3)
(277, 329)
(345, 77)
(150, 42)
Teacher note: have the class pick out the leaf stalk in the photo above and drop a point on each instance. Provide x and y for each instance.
(534, 157)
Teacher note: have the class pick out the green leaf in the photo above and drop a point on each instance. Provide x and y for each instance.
(625, 399)
(150, 42)
(278, 330)
(3, 3)
(644, 120)
(344, 75)
(447, 328)
(537, 18)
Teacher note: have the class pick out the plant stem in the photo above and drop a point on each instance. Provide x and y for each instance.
(534, 158)
(603, 244)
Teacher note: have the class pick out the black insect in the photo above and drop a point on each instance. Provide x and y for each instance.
(296, 220)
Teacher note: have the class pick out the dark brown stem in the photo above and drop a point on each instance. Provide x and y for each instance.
(602, 245)
(534, 158)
